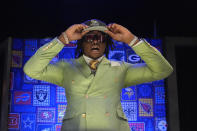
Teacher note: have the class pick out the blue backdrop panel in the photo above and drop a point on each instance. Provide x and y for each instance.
(38, 105)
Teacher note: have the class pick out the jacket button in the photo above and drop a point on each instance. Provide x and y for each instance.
(86, 96)
(116, 79)
(83, 115)
(107, 114)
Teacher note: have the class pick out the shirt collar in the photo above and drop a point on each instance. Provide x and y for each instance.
(88, 59)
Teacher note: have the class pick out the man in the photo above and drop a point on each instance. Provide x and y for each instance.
(93, 90)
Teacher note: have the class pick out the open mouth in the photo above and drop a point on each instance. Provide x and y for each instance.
(95, 49)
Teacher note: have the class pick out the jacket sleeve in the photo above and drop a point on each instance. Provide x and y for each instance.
(156, 67)
(38, 66)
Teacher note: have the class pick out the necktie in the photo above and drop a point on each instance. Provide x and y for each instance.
(93, 64)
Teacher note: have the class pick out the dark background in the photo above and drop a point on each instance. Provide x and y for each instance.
(48, 18)
(144, 18)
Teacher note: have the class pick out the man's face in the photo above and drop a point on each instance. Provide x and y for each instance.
(94, 44)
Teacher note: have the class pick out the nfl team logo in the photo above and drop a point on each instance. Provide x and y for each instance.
(130, 110)
(13, 121)
(161, 124)
(28, 122)
(132, 57)
(146, 107)
(61, 112)
(137, 126)
(46, 115)
(41, 95)
(21, 97)
(128, 94)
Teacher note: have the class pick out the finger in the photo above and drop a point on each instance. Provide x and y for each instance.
(110, 33)
(85, 25)
(84, 32)
(110, 26)
(118, 28)
(80, 28)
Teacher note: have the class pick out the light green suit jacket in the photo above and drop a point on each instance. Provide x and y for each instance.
(94, 101)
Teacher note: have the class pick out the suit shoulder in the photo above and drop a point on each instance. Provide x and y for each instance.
(65, 62)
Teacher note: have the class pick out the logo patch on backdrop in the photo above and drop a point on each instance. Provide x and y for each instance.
(13, 121)
(21, 97)
(28, 79)
(60, 95)
(161, 124)
(46, 115)
(61, 112)
(17, 59)
(132, 57)
(130, 110)
(145, 90)
(159, 95)
(117, 55)
(128, 94)
(45, 127)
(58, 127)
(30, 47)
(28, 122)
(41, 95)
(146, 107)
(137, 126)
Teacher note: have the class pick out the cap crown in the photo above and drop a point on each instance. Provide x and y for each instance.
(94, 22)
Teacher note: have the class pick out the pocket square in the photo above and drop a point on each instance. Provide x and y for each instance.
(115, 63)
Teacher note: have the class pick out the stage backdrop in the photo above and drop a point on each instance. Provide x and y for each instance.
(39, 106)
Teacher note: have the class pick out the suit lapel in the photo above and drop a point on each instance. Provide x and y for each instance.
(102, 67)
(83, 66)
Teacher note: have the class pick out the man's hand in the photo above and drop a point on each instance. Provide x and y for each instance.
(119, 33)
(74, 32)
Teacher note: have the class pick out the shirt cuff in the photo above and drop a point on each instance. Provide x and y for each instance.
(137, 43)
(59, 41)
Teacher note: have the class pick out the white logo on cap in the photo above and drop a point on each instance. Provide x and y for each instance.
(94, 23)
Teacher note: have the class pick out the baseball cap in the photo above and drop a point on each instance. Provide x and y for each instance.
(95, 24)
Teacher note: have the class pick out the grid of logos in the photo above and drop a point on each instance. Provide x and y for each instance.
(40, 106)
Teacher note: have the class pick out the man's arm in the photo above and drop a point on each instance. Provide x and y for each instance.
(156, 67)
(38, 66)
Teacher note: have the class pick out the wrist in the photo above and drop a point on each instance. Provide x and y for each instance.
(134, 41)
(63, 38)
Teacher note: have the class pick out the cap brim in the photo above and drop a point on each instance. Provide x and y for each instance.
(99, 28)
